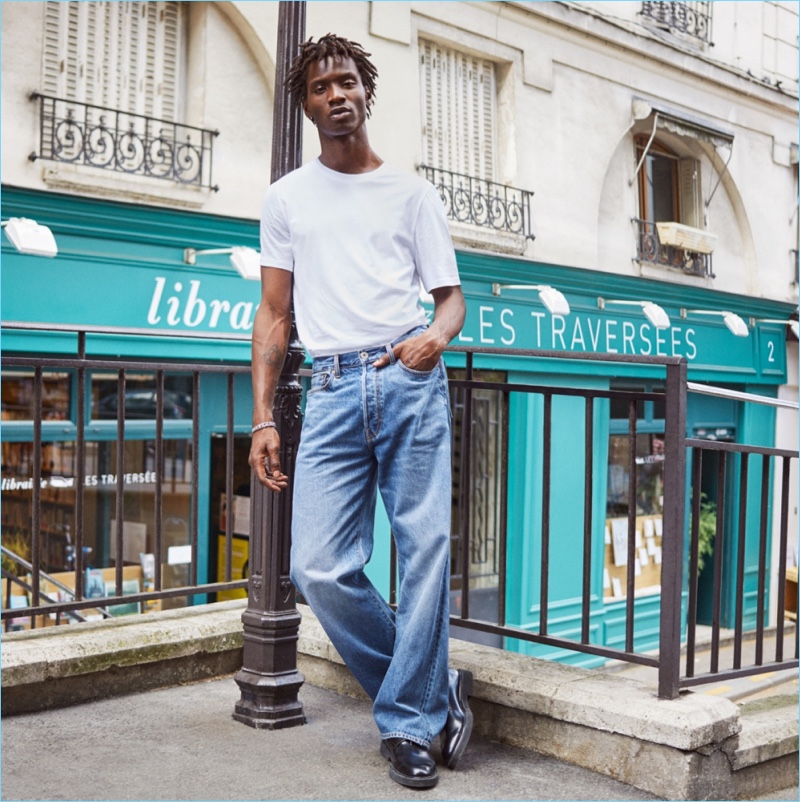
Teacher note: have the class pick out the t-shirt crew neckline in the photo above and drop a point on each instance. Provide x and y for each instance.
(350, 176)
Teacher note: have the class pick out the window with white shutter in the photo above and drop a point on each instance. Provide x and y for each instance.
(459, 94)
(121, 55)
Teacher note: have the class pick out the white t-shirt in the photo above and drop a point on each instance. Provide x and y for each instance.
(359, 245)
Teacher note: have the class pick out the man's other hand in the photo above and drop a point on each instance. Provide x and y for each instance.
(265, 459)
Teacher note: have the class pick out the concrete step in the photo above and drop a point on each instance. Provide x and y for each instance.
(694, 747)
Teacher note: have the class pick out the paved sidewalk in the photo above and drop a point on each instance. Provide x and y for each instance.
(182, 744)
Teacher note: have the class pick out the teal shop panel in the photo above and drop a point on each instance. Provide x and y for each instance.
(646, 628)
(565, 564)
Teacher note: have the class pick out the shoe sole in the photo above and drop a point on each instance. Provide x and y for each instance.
(402, 779)
(465, 687)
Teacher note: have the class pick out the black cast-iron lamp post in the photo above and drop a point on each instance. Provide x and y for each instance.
(269, 680)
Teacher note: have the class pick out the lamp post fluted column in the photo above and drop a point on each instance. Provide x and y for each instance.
(269, 680)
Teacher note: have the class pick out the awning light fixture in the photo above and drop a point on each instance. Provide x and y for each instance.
(246, 260)
(735, 324)
(28, 236)
(793, 325)
(652, 311)
(552, 298)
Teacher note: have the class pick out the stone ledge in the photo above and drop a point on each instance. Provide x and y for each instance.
(693, 747)
(52, 653)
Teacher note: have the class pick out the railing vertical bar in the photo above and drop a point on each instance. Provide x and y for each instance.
(80, 465)
(587, 519)
(630, 573)
(694, 548)
(547, 437)
(466, 428)
(783, 543)
(762, 560)
(716, 613)
(195, 471)
(36, 497)
(503, 523)
(120, 499)
(229, 481)
(159, 499)
(673, 531)
(738, 629)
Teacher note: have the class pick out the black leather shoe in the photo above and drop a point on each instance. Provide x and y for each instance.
(458, 726)
(410, 764)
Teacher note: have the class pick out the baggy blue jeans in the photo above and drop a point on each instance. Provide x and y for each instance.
(386, 429)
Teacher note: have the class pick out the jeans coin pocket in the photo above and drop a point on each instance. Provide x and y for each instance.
(319, 381)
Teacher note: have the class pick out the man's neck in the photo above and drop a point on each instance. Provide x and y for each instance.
(348, 154)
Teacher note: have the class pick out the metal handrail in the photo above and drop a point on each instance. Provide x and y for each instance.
(722, 392)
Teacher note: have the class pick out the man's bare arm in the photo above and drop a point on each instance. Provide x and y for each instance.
(270, 340)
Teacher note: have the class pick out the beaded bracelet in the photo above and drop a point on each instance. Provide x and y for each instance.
(270, 424)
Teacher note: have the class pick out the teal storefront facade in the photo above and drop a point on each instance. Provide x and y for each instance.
(121, 266)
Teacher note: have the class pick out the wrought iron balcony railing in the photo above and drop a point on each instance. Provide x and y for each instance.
(650, 249)
(110, 139)
(691, 18)
(478, 202)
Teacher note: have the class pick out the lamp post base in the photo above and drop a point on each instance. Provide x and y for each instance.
(270, 681)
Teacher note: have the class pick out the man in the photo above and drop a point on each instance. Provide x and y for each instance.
(349, 240)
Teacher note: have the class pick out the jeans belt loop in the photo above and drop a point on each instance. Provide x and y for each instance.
(390, 351)
(336, 370)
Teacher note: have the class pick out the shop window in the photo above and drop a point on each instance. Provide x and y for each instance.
(648, 460)
(58, 494)
(485, 495)
(141, 396)
(18, 391)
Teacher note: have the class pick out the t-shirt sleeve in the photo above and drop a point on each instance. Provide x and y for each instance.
(435, 256)
(276, 240)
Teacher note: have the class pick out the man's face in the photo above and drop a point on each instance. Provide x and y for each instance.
(336, 99)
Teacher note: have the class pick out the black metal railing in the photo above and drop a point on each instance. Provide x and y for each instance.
(650, 249)
(55, 585)
(482, 203)
(485, 401)
(112, 139)
(690, 18)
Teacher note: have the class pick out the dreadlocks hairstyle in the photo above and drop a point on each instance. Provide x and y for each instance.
(330, 46)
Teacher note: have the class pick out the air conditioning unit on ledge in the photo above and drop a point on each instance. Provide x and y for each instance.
(689, 239)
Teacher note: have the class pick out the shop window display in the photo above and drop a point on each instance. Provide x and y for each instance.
(58, 494)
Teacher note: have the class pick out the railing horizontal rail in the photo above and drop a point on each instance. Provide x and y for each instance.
(738, 448)
(736, 673)
(723, 392)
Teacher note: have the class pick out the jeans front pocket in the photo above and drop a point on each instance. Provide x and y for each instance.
(418, 374)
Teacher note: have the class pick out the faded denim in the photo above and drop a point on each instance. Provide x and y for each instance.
(365, 430)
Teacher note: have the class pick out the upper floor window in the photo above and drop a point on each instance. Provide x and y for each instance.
(670, 219)
(123, 55)
(669, 187)
(459, 145)
(459, 93)
(112, 94)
